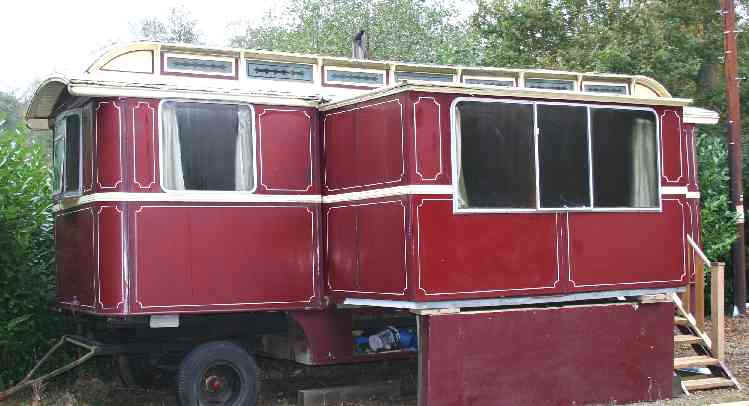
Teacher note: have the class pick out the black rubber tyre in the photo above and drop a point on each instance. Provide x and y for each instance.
(217, 373)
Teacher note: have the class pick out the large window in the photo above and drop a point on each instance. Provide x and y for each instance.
(66, 154)
(207, 146)
(533, 156)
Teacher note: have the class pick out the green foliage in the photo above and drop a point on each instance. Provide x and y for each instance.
(26, 253)
(411, 30)
(718, 220)
(179, 26)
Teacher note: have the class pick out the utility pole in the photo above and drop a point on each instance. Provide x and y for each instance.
(728, 11)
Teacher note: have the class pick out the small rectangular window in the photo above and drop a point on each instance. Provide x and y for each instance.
(563, 156)
(356, 77)
(612, 88)
(625, 158)
(550, 84)
(207, 146)
(279, 71)
(200, 65)
(496, 151)
(427, 77)
(499, 82)
(66, 154)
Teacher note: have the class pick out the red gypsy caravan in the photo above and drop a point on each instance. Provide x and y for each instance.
(213, 204)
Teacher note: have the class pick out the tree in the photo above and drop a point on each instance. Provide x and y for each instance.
(411, 30)
(11, 109)
(178, 26)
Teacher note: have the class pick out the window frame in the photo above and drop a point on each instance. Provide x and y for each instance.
(327, 68)
(455, 158)
(219, 58)
(514, 81)
(63, 193)
(599, 83)
(253, 125)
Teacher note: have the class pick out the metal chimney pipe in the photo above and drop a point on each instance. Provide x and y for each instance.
(359, 46)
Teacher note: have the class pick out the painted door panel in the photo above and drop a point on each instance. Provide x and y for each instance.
(111, 290)
(379, 144)
(624, 250)
(145, 146)
(428, 144)
(673, 168)
(484, 254)
(285, 151)
(224, 257)
(75, 246)
(342, 261)
(340, 168)
(382, 247)
(108, 139)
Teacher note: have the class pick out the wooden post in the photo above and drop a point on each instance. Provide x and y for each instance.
(717, 271)
(699, 293)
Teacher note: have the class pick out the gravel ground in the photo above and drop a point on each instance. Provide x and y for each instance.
(281, 380)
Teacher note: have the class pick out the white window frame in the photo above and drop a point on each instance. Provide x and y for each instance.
(231, 60)
(383, 72)
(451, 75)
(455, 159)
(595, 83)
(63, 192)
(505, 78)
(575, 84)
(210, 192)
(246, 61)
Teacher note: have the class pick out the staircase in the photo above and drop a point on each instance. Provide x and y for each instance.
(708, 356)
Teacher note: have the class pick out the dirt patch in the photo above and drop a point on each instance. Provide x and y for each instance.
(280, 380)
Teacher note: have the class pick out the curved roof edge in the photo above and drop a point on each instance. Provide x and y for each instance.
(697, 115)
(44, 101)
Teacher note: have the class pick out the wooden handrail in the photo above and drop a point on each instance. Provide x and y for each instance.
(717, 274)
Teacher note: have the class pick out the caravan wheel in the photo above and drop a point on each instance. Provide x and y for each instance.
(217, 373)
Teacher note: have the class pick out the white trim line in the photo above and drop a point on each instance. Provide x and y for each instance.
(674, 190)
(185, 196)
(693, 195)
(391, 191)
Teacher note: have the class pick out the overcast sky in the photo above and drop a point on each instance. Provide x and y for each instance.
(40, 37)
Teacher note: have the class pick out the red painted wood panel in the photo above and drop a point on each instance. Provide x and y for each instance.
(111, 291)
(382, 246)
(555, 356)
(428, 139)
(144, 142)
(75, 239)
(627, 251)
(341, 248)
(87, 160)
(286, 148)
(380, 144)
(213, 258)
(109, 171)
(339, 145)
(483, 255)
(673, 168)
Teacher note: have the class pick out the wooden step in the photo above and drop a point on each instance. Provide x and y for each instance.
(707, 383)
(686, 339)
(681, 321)
(694, 361)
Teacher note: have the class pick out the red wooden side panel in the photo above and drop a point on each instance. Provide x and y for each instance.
(109, 269)
(380, 142)
(87, 160)
(108, 139)
(144, 141)
(190, 258)
(382, 247)
(431, 143)
(339, 145)
(342, 262)
(75, 245)
(285, 150)
(628, 250)
(673, 148)
(484, 255)
(600, 354)
(366, 248)
(690, 133)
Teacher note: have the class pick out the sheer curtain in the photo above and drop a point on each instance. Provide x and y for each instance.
(171, 153)
(462, 192)
(644, 172)
(243, 179)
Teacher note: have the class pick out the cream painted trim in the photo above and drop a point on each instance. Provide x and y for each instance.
(527, 93)
(184, 196)
(94, 89)
(673, 190)
(696, 115)
(693, 195)
(389, 192)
